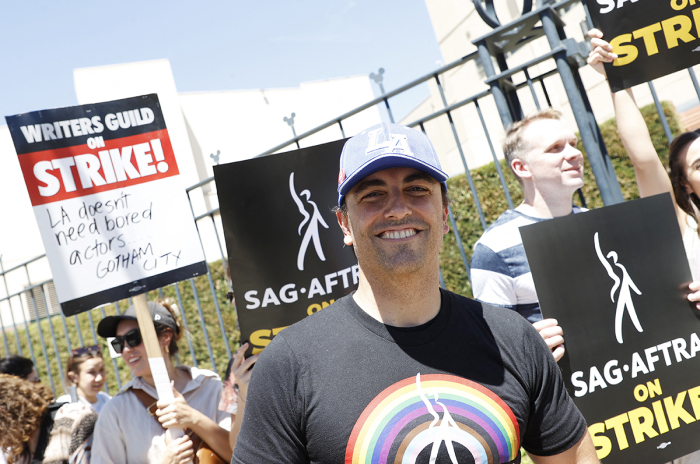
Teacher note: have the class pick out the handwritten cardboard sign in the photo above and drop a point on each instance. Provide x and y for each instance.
(653, 38)
(285, 248)
(616, 280)
(104, 184)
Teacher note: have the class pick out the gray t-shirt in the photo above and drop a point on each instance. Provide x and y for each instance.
(340, 386)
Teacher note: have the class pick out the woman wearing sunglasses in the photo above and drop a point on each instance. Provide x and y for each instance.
(131, 426)
(86, 371)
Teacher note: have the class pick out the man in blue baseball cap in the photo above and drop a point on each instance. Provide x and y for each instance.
(400, 370)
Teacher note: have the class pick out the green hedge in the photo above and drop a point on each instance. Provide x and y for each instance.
(194, 322)
(492, 201)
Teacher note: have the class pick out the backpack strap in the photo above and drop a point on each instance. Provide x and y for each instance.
(45, 431)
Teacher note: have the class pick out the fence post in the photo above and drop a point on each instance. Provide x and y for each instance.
(12, 312)
(379, 79)
(498, 95)
(612, 176)
(660, 111)
(595, 157)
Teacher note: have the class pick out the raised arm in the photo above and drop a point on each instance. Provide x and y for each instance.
(650, 174)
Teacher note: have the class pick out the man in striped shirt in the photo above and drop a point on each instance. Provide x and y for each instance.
(541, 151)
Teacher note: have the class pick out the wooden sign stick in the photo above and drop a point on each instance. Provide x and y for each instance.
(155, 358)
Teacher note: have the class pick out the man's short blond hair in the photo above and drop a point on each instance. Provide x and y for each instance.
(516, 145)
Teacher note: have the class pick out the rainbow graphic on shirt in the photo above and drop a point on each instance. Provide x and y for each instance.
(425, 413)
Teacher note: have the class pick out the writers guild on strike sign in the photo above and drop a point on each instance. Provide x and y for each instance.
(106, 192)
(652, 38)
(616, 280)
(293, 262)
(115, 163)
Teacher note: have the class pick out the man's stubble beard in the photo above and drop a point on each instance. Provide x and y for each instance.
(405, 257)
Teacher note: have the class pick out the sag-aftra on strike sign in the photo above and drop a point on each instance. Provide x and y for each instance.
(616, 279)
(292, 262)
(104, 184)
(653, 38)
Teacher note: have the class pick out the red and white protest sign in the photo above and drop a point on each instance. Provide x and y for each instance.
(104, 184)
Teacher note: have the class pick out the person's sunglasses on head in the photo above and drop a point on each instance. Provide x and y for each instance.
(86, 349)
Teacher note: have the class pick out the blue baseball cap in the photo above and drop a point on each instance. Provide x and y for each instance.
(386, 146)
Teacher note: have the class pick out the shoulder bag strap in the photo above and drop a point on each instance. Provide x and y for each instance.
(148, 401)
(151, 405)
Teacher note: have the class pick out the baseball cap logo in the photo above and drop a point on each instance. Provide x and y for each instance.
(397, 144)
(157, 317)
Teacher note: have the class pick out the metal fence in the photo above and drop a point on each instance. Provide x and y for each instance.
(37, 330)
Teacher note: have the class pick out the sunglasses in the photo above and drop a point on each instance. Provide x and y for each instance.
(86, 349)
(132, 338)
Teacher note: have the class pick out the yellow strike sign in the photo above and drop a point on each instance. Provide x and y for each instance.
(675, 30)
(644, 422)
(261, 338)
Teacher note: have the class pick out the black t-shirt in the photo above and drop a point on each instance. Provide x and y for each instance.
(340, 386)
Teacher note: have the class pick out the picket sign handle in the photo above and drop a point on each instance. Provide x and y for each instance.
(155, 357)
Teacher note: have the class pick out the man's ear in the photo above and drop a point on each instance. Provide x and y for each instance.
(445, 215)
(521, 169)
(345, 227)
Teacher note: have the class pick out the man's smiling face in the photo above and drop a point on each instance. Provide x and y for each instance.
(395, 221)
(553, 161)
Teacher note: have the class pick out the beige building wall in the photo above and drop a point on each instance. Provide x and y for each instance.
(457, 24)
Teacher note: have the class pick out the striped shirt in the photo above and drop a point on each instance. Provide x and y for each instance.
(500, 271)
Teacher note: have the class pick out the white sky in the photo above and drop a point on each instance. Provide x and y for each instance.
(211, 45)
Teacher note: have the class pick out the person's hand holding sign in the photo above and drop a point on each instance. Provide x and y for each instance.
(601, 53)
(177, 413)
(695, 295)
(178, 451)
(553, 335)
(240, 371)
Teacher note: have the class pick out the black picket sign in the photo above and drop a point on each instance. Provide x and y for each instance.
(285, 248)
(653, 38)
(616, 279)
